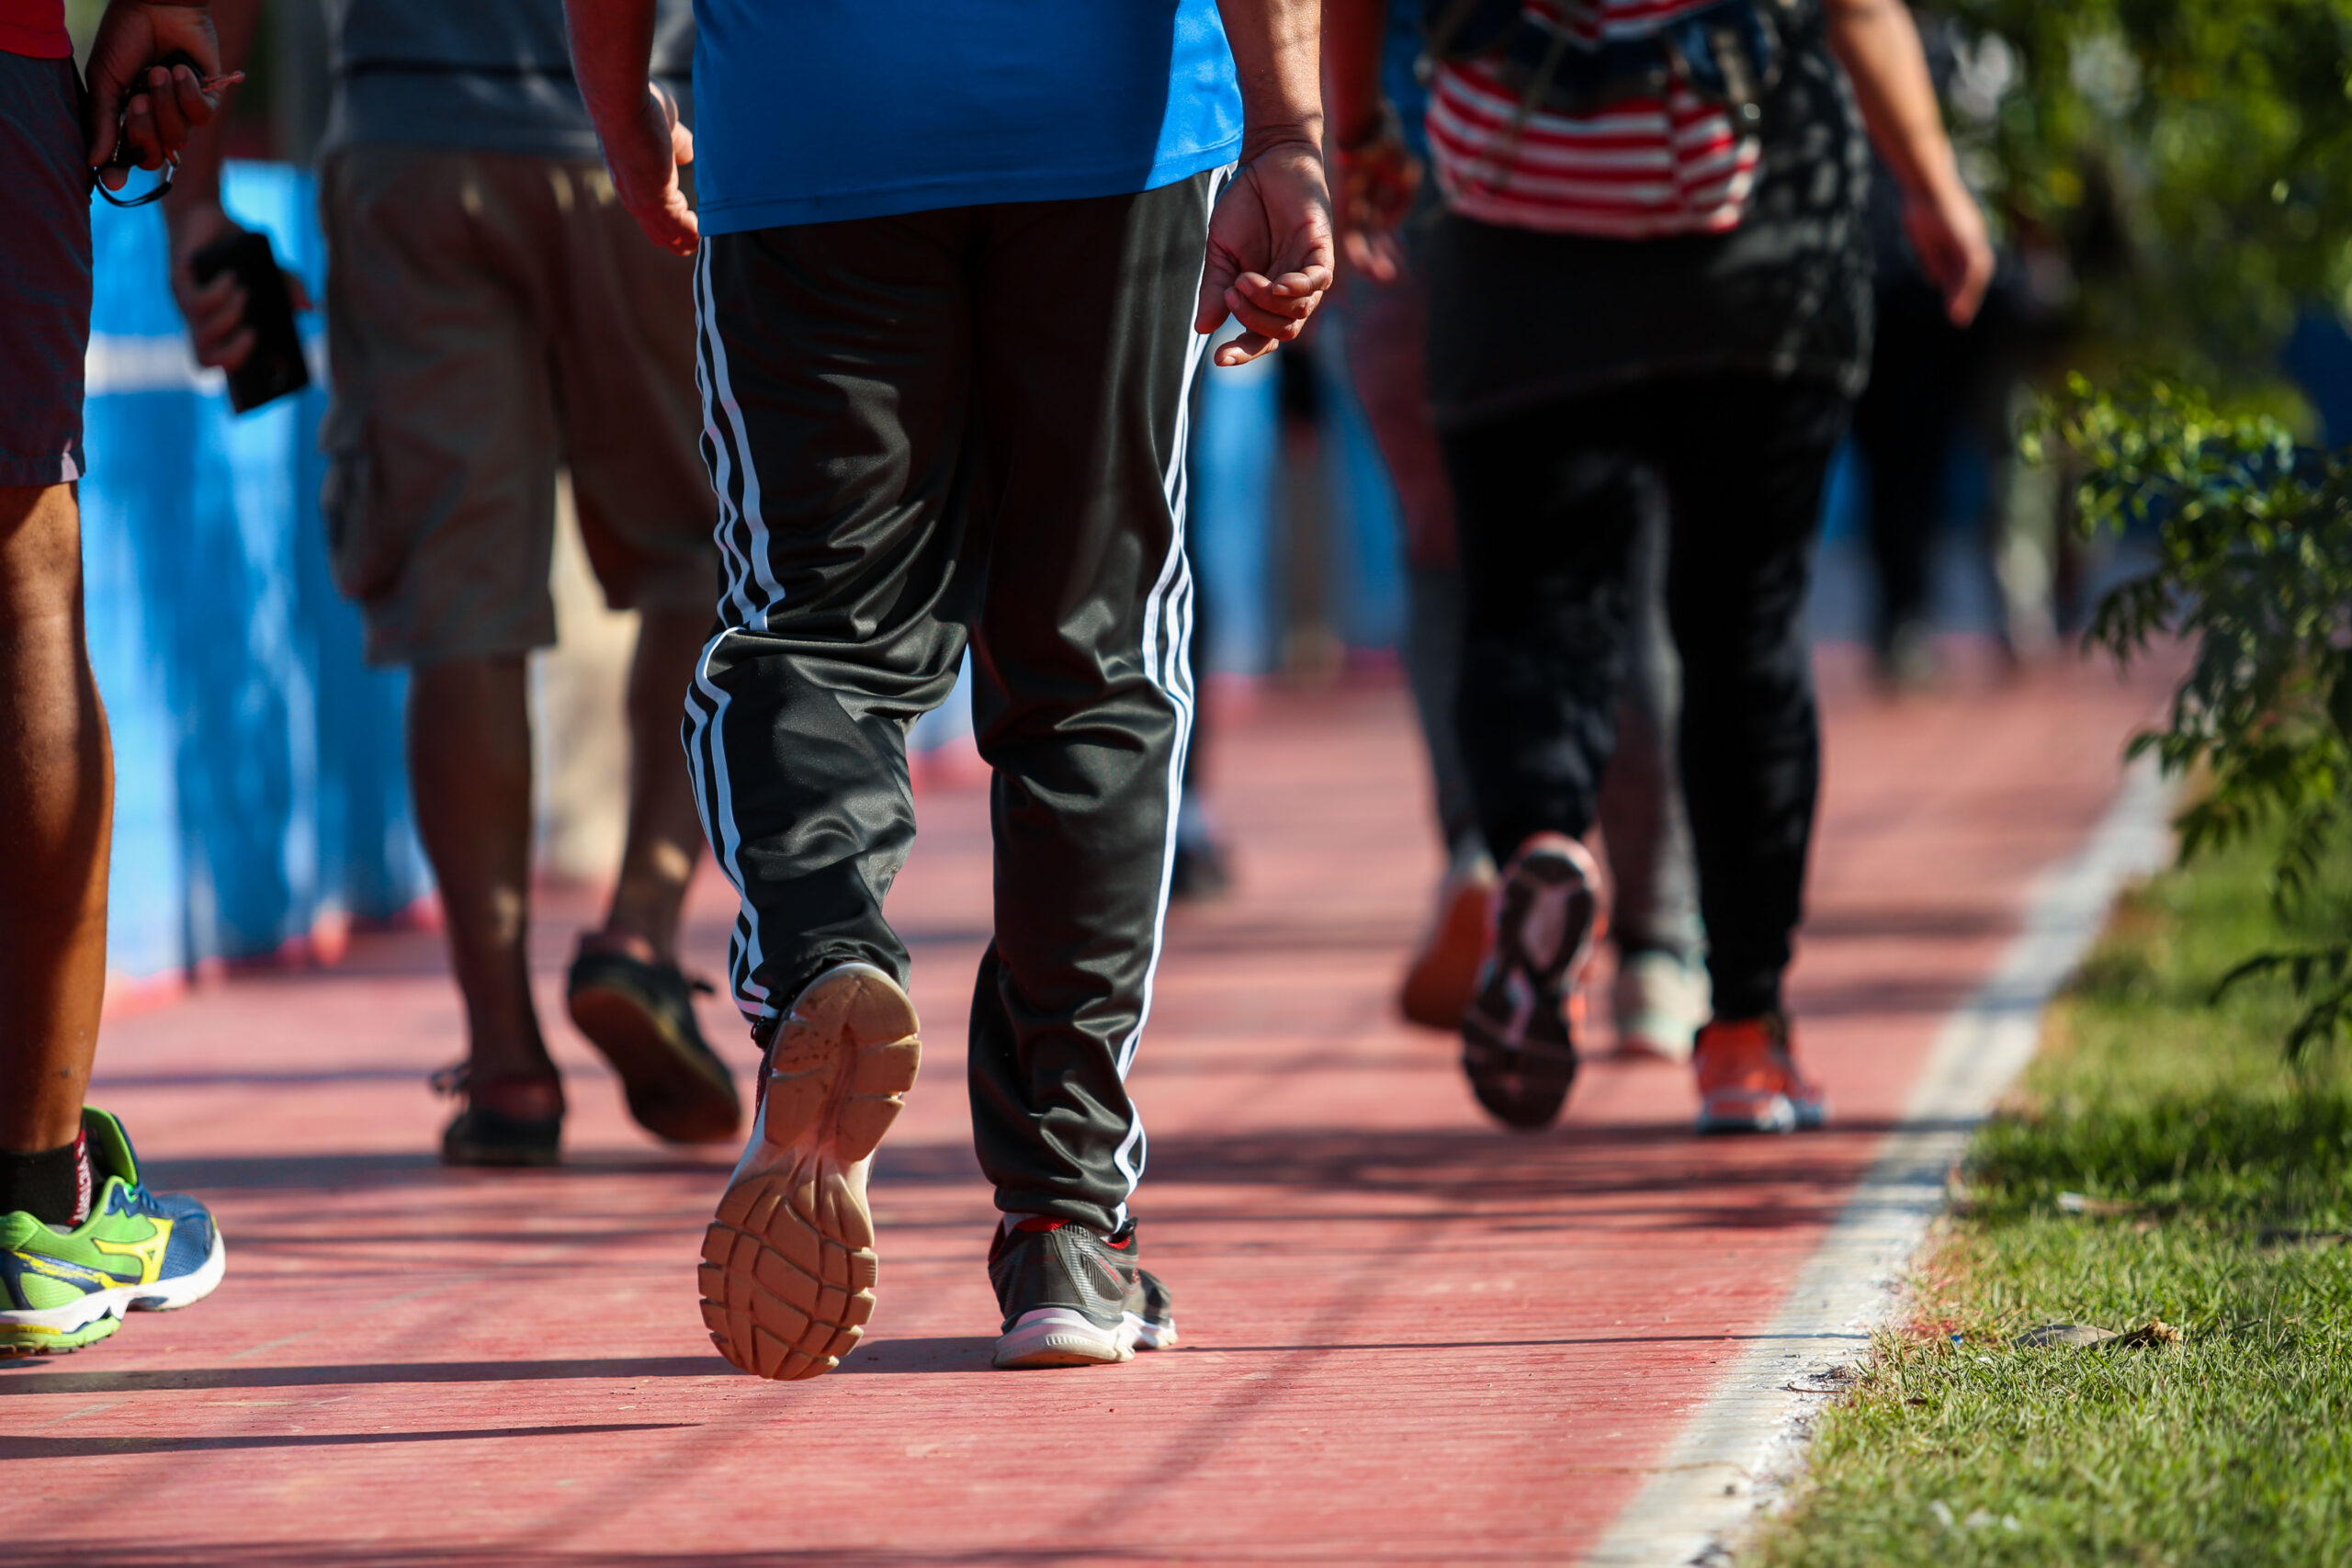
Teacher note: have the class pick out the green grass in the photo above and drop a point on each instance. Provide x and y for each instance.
(2217, 1171)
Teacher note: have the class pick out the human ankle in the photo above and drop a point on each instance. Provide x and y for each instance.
(496, 1058)
(627, 941)
(529, 1096)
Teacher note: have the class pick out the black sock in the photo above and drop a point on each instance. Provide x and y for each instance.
(52, 1186)
(1746, 996)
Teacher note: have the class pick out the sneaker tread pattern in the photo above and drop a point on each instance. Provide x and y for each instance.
(1519, 1045)
(789, 1264)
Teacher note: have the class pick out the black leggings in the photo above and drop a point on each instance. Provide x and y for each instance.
(1550, 499)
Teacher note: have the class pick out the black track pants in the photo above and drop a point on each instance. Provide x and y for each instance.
(1549, 501)
(949, 426)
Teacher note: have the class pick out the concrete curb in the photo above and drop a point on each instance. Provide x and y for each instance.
(1744, 1445)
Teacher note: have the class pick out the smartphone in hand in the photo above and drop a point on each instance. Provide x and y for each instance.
(276, 366)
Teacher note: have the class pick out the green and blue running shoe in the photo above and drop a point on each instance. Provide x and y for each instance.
(61, 1290)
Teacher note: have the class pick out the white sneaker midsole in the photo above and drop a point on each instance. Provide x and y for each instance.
(1062, 1332)
(164, 1295)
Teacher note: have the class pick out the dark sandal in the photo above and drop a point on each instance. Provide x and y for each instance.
(641, 1017)
(482, 1134)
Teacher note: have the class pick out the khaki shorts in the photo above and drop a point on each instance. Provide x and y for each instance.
(491, 318)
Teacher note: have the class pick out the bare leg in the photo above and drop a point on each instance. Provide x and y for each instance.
(469, 762)
(57, 797)
(625, 992)
(664, 831)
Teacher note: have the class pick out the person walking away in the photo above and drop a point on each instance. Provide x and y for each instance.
(1653, 267)
(493, 315)
(1659, 995)
(956, 267)
(82, 1240)
(1933, 384)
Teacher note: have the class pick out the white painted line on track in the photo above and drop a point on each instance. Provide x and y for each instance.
(1743, 1447)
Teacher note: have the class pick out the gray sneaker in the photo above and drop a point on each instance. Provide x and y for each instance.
(1660, 1001)
(1074, 1298)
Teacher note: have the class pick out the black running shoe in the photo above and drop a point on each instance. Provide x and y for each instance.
(1073, 1297)
(1519, 1034)
(641, 1016)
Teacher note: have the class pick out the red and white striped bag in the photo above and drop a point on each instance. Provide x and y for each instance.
(1642, 167)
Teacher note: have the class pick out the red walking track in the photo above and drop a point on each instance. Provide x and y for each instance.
(1408, 1336)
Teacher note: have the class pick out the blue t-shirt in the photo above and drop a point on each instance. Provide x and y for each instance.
(812, 111)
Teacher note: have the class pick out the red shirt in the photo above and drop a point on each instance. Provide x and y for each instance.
(36, 27)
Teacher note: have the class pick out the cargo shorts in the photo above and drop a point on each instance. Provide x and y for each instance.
(493, 317)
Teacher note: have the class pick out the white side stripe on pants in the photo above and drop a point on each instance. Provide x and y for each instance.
(753, 587)
(751, 590)
(1167, 640)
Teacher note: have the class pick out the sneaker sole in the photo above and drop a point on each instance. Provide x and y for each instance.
(1778, 1113)
(674, 1091)
(465, 1155)
(1058, 1337)
(789, 1264)
(1567, 878)
(1524, 1082)
(506, 1141)
(47, 1331)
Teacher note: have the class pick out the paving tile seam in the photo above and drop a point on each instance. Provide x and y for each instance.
(1743, 1450)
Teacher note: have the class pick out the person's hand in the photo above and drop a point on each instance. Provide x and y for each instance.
(1270, 249)
(1378, 176)
(645, 158)
(215, 311)
(1947, 234)
(147, 107)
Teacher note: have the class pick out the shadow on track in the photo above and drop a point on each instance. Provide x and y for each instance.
(94, 1448)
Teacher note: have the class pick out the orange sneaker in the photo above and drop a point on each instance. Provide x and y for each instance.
(1748, 1080)
(1444, 972)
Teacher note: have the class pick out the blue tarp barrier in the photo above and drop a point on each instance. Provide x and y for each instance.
(1234, 520)
(259, 792)
(1233, 491)
(1366, 580)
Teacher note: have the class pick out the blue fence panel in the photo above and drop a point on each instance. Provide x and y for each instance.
(260, 788)
(1365, 559)
(1241, 543)
(1236, 462)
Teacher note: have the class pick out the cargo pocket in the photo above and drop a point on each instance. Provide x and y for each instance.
(366, 559)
